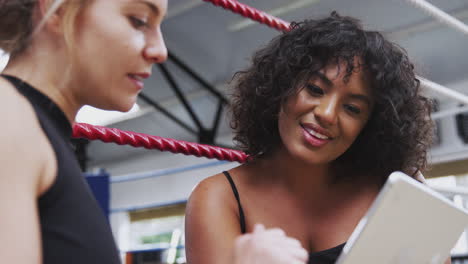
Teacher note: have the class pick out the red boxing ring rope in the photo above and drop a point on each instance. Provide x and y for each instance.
(252, 13)
(105, 134)
(114, 135)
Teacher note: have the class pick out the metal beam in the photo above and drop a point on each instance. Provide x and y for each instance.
(197, 77)
(167, 113)
(181, 96)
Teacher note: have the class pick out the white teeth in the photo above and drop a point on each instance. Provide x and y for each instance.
(316, 134)
(138, 78)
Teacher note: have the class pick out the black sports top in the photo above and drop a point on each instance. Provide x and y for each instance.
(328, 256)
(73, 227)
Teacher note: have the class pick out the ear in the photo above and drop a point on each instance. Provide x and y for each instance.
(50, 14)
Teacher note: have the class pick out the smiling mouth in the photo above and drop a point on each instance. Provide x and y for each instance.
(136, 77)
(316, 134)
(137, 81)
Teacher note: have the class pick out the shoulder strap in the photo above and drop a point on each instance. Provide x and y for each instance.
(236, 194)
(24, 89)
(14, 81)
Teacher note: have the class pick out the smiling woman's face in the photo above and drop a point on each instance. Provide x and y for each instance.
(116, 44)
(322, 120)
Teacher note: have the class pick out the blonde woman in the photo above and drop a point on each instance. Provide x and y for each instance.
(64, 54)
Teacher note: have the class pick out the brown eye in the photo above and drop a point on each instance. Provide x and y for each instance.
(352, 109)
(314, 90)
(137, 23)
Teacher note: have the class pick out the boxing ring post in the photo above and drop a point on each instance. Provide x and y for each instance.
(100, 186)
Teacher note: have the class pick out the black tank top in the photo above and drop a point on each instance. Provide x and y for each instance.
(73, 227)
(328, 256)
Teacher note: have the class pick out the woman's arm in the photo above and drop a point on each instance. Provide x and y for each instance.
(213, 232)
(20, 179)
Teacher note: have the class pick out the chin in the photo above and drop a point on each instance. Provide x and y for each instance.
(124, 108)
(317, 158)
(116, 106)
(124, 105)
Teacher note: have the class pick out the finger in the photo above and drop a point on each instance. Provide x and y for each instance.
(291, 246)
(300, 254)
(258, 228)
(242, 238)
(276, 231)
(292, 242)
(295, 254)
(284, 241)
(289, 260)
(300, 262)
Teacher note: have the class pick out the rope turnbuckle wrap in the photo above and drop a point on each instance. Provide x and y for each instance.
(105, 134)
(252, 13)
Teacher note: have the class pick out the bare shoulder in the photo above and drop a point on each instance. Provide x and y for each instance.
(211, 222)
(14, 104)
(19, 124)
(25, 149)
(212, 192)
(22, 163)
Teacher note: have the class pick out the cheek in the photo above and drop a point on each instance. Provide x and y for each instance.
(353, 129)
(126, 50)
(285, 124)
(282, 124)
(111, 34)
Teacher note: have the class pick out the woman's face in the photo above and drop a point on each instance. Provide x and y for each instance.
(322, 120)
(116, 44)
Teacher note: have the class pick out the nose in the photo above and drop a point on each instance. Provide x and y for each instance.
(155, 50)
(327, 111)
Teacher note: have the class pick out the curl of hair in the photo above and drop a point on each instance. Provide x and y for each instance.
(17, 21)
(16, 24)
(399, 131)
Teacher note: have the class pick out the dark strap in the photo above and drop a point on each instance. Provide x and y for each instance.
(236, 194)
(42, 102)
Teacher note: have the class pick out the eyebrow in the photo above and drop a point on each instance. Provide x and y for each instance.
(324, 78)
(154, 9)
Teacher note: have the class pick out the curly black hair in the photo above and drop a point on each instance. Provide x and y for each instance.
(399, 131)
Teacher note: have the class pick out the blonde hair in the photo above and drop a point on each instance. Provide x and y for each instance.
(18, 22)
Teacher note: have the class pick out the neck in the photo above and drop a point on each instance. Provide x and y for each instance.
(297, 176)
(45, 72)
(310, 184)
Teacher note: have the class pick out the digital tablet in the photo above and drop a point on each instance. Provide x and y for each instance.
(407, 223)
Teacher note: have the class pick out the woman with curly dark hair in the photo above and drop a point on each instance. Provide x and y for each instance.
(326, 112)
